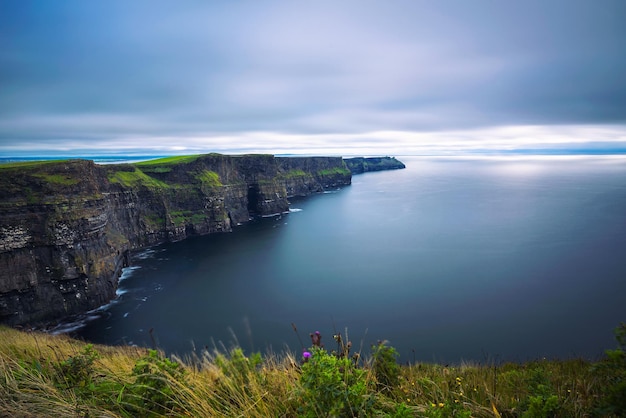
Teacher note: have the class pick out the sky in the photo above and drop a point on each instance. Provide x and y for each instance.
(320, 77)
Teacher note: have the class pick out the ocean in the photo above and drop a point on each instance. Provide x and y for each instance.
(451, 259)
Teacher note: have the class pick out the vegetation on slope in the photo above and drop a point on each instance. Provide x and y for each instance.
(135, 178)
(294, 174)
(35, 182)
(43, 375)
(60, 179)
(209, 179)
(334, 171)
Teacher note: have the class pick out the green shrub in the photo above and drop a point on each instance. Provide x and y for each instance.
(542, 406)
(333, 386)
(78, 371)
(542, 401)
(612, 370)
(155, 377)
(385, 366)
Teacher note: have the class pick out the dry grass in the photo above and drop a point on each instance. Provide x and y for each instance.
(36, 380)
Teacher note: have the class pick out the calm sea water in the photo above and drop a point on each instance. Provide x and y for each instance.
(450, 259)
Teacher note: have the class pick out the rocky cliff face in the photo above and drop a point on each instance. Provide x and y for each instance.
(67, 227)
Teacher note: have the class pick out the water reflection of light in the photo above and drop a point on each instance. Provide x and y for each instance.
(527, 165)
(520, 169)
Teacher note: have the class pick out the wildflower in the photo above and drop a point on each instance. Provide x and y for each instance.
(433, 405)
(306, 355)
(316, 339)
(440, 404)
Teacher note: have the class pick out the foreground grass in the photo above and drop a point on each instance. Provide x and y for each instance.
(44, 375)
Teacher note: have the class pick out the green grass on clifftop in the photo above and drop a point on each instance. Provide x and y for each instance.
(170, 160)
(29, 163)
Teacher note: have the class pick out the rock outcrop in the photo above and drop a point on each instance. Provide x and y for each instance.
(360, 165)
(67, 227)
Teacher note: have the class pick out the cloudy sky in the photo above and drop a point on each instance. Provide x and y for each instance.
(311, 77)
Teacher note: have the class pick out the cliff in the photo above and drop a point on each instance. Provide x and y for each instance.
(67, 227)
(360, 165)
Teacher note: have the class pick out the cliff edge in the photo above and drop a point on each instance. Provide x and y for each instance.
(67, 227)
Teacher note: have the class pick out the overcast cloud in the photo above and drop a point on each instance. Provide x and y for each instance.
(347, 77)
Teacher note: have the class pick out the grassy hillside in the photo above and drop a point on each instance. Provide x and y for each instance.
(43, 375)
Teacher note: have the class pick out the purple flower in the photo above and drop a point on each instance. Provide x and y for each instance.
(316, 339)
(306, 355)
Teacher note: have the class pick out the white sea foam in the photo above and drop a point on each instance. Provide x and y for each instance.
(127, 272)
(293, 210)
(149, 253)
(75, 323)
(272, 215)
